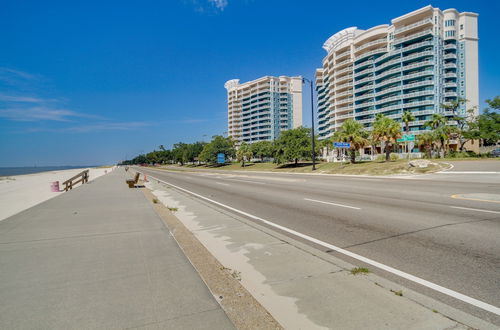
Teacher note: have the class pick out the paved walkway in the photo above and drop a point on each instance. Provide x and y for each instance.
(99, 257)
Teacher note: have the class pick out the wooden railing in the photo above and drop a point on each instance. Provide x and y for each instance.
(82, 177)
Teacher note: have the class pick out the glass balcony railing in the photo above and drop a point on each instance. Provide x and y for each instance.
(414, 25)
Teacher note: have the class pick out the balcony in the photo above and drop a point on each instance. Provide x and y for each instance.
(450, 75)
(371, 43)
(342, 86)
(422, 112)
(370, 78)
(365, 71)
(450, 84)
(373, 52)
(418, 74)
(417, 94)
(388, 99)
(417, 65)
(413, 36)
(349, 92)
(418, 45)
(417, 55)
(451, 94)
(365, 96)
(450, 56)
(388, 90)
(418, 103)
(365, 88)
(450, 66)
(346, 108)
(450, 46)
(412, 26)
(364, 63)
(348, 115)
(343, 63)
(348, 69)
(418, 84)
(388, 72)
(388, 63)
(347, 52)
(349, 76)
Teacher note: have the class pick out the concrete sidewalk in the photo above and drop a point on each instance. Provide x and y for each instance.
(99, 257)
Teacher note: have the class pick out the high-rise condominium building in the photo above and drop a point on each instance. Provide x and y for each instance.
(423, 59)
(259, 110)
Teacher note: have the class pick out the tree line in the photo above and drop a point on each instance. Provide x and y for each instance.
(385, 133)
(295, 145)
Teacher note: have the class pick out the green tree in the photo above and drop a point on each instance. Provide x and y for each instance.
(178, 153)
(437, 123)
(191, 151)
(386, 130)
(262, 149)
(354, 133)
(425, 141)
(293, 145)
(244, 153)
(406, 118)
(219, 144)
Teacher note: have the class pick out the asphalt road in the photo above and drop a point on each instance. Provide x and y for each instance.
(444, 228)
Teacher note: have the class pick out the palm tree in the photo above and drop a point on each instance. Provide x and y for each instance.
(244, 153)
(387, 130)
(406, 118)
(438, 123)
(354, 133)
(437, 120)
(426, 140)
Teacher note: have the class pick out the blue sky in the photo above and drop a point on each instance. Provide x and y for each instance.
(94, 82)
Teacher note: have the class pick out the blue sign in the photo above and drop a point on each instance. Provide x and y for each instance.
(341, 144)
(221, 158)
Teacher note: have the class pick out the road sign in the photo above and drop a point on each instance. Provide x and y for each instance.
(221, 158)
(409, 137)
(341, 144)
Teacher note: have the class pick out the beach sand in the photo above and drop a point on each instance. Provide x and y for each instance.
(20, 192)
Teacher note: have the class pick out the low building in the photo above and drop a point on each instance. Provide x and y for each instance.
(260, 109)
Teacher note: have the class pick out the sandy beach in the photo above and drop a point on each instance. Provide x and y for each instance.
(20, 192)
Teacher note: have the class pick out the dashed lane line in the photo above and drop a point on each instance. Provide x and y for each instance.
(334, 204)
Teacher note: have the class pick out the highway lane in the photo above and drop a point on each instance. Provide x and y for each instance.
(412, 225)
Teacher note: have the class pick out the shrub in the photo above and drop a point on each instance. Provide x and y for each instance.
(380, 158)
(394, 157)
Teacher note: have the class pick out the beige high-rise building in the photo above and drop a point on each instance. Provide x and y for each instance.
(423, 59)
(260, 109)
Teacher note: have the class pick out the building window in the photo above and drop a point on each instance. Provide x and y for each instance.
(461, 26)
(450, 22)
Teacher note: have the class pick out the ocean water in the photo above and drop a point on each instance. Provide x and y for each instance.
(7, 171)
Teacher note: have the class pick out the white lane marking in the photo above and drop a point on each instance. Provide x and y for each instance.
(478, 210)
(469, 172)
(246, 181)
(446, 291)
(222, 184)
(334, 204)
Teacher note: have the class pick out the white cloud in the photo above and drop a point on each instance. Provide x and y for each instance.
(38, 113)
(94, 127)
(219, 4)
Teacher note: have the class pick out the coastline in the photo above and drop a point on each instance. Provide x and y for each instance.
(20, 192)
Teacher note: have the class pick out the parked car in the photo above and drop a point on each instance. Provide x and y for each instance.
(495, 152)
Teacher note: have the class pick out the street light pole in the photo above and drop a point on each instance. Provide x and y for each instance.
(312, 122)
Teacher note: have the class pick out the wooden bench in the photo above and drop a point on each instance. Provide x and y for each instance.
(82, 177)
(132, 182)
